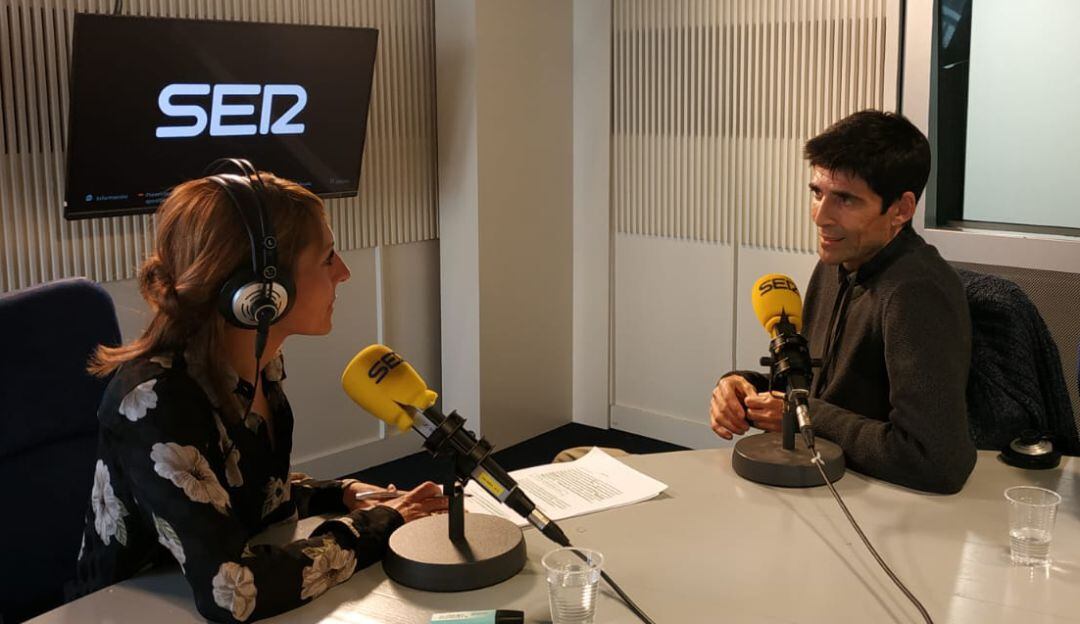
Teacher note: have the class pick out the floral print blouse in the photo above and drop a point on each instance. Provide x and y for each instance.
(176, 479)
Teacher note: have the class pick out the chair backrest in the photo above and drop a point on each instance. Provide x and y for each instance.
(1016, 380)
(48, 435)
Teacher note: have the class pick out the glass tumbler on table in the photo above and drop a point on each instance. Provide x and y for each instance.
(573, 576)
(1031, 523)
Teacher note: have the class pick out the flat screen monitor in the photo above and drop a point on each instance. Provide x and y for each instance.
(156, 100)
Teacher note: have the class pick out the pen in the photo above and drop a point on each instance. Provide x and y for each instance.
(386, 494)
(378, 495)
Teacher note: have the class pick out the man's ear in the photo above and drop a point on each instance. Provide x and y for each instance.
(905, 209)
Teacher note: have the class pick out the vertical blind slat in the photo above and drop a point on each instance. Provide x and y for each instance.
(713, 100)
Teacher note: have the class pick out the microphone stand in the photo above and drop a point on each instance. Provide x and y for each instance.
(783, 459)
(444, 553)
(455, 511)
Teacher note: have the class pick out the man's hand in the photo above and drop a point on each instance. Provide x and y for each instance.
(735, 400)
(766, 410)
(726, 411)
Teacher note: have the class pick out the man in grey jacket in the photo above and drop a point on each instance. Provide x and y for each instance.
(885, 313)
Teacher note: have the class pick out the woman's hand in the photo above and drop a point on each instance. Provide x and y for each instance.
(352, 488)
(423, 500)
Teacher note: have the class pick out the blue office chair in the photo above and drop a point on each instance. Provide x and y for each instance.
(48, 435)
(1016, 380)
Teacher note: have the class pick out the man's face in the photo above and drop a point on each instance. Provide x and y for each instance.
(847, 212)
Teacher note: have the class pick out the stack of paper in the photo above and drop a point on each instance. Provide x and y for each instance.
(593, 483)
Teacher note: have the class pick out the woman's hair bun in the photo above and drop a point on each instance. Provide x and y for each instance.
(158, 288)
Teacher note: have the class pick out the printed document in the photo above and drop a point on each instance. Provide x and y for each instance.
(593, 483)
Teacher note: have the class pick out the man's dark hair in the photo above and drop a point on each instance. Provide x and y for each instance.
(885, 149)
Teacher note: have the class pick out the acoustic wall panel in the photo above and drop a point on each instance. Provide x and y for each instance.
(712, 101)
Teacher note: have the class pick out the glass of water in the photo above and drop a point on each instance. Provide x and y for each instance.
(1031, 523)
(573, 576)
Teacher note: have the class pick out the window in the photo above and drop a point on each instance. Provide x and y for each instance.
(1006, 115)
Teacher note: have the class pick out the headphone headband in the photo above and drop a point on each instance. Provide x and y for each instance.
(247, 297)
(249, 183)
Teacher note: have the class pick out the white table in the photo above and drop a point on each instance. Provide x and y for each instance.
(715, 548)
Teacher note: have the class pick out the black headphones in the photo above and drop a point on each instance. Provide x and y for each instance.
(258, 296)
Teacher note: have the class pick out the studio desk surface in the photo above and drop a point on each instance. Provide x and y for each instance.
(716, 548)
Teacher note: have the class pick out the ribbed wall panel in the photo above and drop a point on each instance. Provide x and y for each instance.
(713, 100)
(397, 199)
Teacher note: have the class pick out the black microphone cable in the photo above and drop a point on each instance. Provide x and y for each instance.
(817, 461)
(260, 345)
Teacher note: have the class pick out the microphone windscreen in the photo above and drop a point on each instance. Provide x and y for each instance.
(774, 296)
(379, 380)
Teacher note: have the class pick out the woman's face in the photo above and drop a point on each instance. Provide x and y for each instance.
(318, 272)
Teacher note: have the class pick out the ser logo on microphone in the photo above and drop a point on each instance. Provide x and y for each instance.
(221, 109)
(777, 283)
(382, 366)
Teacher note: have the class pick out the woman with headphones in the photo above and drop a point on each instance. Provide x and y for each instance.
(196, 432)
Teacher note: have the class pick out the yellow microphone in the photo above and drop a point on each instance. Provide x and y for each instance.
(381, 382)
(385, 385)
(778, 306)
(776, 297)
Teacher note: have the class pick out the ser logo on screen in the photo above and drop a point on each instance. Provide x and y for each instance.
(235, 112)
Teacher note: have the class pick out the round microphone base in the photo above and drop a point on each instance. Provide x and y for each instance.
(422, 556)
(762, 458)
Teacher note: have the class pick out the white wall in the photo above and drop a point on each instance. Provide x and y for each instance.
(459, 253)
(394, 298)
(592, 212)
(673, 335)
(526, 219)
(504, 90)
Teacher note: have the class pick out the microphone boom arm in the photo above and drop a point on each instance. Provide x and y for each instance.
(446, 435)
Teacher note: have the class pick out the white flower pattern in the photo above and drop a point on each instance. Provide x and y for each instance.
(277, 493)
(253, 422)
(275, 368)
(234, 589)
(233, 476)
(330, 565)
(169, 539)
(164, 361)
(109, 511)
(186, 467)
(140, 399)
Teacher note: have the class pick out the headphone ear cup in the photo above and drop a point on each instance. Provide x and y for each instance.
(243, 296)
(230, 299)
